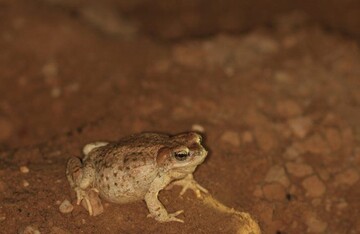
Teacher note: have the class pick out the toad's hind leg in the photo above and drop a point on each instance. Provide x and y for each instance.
(80, 178)
(74, 171)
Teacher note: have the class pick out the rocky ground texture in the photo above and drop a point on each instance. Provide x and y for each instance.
(279, 107)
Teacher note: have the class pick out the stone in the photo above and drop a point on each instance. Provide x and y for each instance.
(282, 77)
(266, 139)
(24, 169)
(288, 109)
(55, 92)
(314, 224)
(298, 169)
(316, 145)
(25, 183)
(274, 192)
(30, 230)
(66, 207)
(313, 186)
(300, 126)
(231, 137)
(348, 177)
(277, 174)
(50, 70)
(333, 138)
(292, 153)
(2, 216)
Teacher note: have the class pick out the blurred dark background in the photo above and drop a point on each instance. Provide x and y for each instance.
(175, 19)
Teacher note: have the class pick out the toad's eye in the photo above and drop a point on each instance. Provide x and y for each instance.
(181, 155)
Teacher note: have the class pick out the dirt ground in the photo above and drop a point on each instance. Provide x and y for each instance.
(279, 108)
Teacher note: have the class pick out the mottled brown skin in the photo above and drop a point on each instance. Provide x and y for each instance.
(136, 168)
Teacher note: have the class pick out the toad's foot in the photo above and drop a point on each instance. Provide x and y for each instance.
(164, 217)
(90, 200)
(189, 183)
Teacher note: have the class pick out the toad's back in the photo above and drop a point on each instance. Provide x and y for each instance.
(125, 170)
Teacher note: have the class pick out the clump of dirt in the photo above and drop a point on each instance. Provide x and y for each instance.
(279, 108)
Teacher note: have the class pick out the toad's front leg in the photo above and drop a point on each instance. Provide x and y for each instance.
(189, 183)
(156, 208)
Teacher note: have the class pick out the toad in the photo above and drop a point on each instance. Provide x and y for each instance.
(136, 168)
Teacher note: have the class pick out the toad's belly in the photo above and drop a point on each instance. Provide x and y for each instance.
(122, 187)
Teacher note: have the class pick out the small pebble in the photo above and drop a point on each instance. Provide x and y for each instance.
(25, 183)
(197, 128)
(348, 177)
(282, 77)
(24, 169)
(231, 137)
(229, 71)
(66, 207)
(266, 139)
(277, 174)
(292, 152)
(298, 169)
(73, 87)
(30, 230)
(300, 126)
(313, 186)
(316, 144)
(55, 92)
(334, 139)
(2, 217)
(314, 224)
(50, 69)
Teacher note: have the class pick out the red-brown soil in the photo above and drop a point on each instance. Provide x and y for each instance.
(279, 107)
